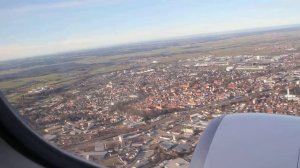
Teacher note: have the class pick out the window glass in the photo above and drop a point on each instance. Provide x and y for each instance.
(135, 83)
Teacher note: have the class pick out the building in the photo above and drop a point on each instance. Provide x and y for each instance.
(288, 96)
(188, 130)
(250, 68)
(179, 162)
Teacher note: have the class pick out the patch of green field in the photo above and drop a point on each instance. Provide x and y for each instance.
(107, 69)
(16, 70)
(15, 98)
(112, 161)
(122, 57)
(11, 84)
(11, 71)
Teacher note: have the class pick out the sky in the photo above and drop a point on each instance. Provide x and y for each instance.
(35, 27)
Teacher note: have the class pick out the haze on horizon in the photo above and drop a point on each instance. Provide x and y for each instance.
(51, 26)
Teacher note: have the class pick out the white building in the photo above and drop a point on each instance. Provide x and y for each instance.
(288, 96)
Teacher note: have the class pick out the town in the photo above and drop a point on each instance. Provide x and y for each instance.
(152, 114)
(149, 83)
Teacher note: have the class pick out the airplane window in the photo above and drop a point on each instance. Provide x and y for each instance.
(134, 83)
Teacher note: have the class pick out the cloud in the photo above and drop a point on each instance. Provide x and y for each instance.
(57, 4)
(45, 6)
(17, 13)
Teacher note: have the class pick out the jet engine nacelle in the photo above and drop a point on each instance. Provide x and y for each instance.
(249, 141)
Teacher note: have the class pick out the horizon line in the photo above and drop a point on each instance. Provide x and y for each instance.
(178, 38)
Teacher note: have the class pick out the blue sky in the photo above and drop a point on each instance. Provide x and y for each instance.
(35, 27)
